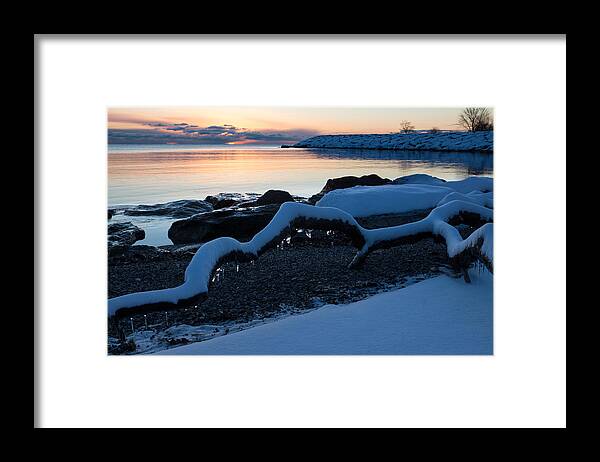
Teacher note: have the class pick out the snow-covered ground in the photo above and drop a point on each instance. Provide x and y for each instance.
(438, 316)
(414, 141)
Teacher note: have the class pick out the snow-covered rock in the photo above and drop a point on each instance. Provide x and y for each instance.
(222, 200)
(361, 201)
(414, 141)
(472, 183)
(476, 197)
(348, 182)
(420, 178)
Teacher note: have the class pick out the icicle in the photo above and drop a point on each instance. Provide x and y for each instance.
(237, 268)
(132, 329)
(146, 321)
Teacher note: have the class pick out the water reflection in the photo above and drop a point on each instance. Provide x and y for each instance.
(145, 176)
(473, 163)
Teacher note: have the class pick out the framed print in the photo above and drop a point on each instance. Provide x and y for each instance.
(300, 231)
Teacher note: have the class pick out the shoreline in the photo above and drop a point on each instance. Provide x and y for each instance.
(383, 148)
(457, 141)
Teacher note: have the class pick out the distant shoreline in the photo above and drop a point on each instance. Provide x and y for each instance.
(413, 141)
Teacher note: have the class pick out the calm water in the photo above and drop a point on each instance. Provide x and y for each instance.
(150, 174)
(154, 174)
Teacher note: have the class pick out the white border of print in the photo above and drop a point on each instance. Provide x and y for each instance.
(523, 384)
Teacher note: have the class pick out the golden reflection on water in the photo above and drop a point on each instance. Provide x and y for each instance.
(153, 177)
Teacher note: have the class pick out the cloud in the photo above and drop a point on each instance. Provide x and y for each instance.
(184, 133)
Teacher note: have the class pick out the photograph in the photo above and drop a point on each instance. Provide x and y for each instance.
(249, 230)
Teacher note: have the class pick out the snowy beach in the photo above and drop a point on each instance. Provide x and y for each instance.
(439, 316)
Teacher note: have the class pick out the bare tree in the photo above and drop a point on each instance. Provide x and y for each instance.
(476, 119)
(406, 126)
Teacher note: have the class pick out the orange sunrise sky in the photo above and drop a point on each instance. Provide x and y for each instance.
(264, 125)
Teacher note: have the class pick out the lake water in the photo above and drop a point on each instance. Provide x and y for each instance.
(151, 174)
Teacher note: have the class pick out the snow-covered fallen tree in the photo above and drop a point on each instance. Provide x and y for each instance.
(291, 216)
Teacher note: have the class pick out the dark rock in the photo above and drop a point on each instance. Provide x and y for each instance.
(419, 178)
(124, 234)
(349, 182)
(274, 196)
(224, 203)
(241, 223)
(223, 200)
(110, 214)
(121, 236)
(394, 219)
(176, 209)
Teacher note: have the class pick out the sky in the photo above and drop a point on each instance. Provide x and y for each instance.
(263, 125)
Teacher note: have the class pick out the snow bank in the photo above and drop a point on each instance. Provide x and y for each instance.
(472, 183)
(439, 316)
(415, 141)
(361, 201)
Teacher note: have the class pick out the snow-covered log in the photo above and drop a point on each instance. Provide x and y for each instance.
(440, 225)
(293, 215)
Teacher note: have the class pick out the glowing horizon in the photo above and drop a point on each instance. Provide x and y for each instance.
(263, 125)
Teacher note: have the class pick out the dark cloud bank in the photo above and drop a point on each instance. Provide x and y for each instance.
(183, 133)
